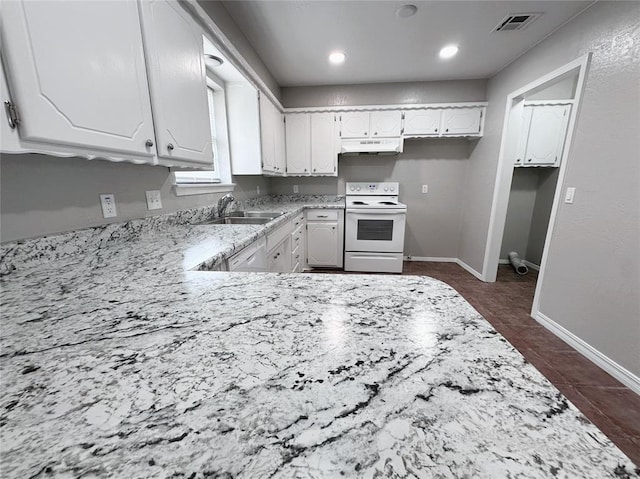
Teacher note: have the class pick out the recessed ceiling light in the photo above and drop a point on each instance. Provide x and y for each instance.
(406, 11)
(337, 57)
(449, 51)
(212, 60)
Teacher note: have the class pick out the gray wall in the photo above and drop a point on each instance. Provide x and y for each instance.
(541, 214)
(220, 16)
(385, 93)
(592, 281)
(522, 199)
(40, 194)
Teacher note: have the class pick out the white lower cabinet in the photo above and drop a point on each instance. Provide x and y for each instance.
(298, 247)
(253, 258)
(325, 238)
(279, 249)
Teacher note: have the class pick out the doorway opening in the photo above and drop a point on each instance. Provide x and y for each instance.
(540, 121)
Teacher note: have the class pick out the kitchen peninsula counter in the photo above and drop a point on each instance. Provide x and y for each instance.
(125, 361)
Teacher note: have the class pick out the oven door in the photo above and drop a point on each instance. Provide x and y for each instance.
(375, 230)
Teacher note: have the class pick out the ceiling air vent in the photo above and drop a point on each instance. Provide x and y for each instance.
(516, 21)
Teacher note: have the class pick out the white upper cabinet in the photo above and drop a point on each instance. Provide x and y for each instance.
(243, 120)
(324, 156)
(177, 81)
(272, 138)
(311, 144)
(354, 124)
(461, 121)
(298, 141)
(543, 133)
(422, 122)
(385, 123)
(77, 75)
(365, 124)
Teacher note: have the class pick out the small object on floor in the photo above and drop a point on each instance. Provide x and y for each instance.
(517, 263)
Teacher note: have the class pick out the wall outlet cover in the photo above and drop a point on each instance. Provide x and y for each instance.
(296, 189)
(568, 197)
(108, 203)
(154, 200)
(425, 189)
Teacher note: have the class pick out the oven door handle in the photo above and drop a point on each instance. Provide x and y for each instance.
(377, 211)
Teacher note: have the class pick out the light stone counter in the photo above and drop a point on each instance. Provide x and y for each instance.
(124, 362)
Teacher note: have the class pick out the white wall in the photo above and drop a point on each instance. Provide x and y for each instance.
(40, 194)
(592, 283)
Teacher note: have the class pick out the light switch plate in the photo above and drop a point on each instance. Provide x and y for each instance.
(568, 197)
(108, 203)
(154, 201)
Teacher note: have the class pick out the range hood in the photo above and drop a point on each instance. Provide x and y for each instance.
(365, 146)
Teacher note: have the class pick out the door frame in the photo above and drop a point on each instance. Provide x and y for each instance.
(504, 174)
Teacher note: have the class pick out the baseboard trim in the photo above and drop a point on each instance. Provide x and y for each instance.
(622, 374)
(470, 269)
(434, 259)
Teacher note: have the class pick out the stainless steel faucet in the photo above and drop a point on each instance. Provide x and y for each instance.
(223, 203)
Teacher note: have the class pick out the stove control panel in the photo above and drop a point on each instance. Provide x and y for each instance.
(362, 188)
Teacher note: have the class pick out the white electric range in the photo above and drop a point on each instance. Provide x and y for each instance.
(374, 227)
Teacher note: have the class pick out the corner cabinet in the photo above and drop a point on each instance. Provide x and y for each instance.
(325, 238)
(542, 136)
(178, 84)
(311, 144)
(75, 83)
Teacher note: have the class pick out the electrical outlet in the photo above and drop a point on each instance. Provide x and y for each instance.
(425, 189)
(108, 203)
(258, 190)
(295, 188)
(154, 201)
(568, 197)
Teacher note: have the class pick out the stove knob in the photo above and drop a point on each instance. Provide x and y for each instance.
(358, 188)
(386, 189)
(393, 188)
(353, 188)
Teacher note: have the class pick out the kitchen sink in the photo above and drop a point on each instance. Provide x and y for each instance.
(244, 218)
(237, 220)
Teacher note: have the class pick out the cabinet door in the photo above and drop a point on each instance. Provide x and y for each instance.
(461, 121)
(178, 84)
(243, 122)
(76, 82)
(354, 124)
(279, 139)
(298, 141)
(322, 243)
(267, 135)
(422, 122)
(546, 134)
(523, 137)
(323, 152)
(386, 123)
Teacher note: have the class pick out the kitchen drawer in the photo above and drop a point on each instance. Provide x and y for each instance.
(276, 236)
(251, 257)
(297, 237)
(322, 215)
(297, 222)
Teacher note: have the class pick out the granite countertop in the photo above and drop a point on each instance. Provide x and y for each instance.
(123, 361)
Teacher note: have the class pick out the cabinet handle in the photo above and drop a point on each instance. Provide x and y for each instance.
(436, 130)
(170, 146)
(314, 169)
(12, 114)
(333, 227)
(375, 132)
(529, 159)
(149, 143)
(323, 216)
(446, 130)
(305, 169)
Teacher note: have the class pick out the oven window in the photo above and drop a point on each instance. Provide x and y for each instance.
(375, 230)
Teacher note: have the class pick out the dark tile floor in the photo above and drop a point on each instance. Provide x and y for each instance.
(506, 304)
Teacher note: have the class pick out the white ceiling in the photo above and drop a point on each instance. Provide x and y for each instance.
(294, 38)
